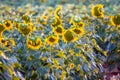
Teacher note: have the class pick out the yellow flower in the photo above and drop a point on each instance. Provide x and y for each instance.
(25, 29)
(68, 36)
(2, 29)
(26, 18)
(7, 42)
(3, 41)
(57, 21)
(78, 31)
(78, 67)
(16, 24)
(43, 20)
(57, 11)
(52, 40)
(7, 24)
(58, 30)
(72, 66)
(34, 43)
(12, 42)
(77, 22)
(115, 20)
(63, 75)
(55, 62)
(97, 11)
(80, 24)
(61, 54)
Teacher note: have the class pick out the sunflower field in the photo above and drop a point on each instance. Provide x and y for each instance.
(59, 39)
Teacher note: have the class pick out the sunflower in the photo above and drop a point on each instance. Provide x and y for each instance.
(78, 67)
(7, 24)
(26, 29)
(34, 43)
(115, 20)
(58, 30)
(77, 22)
(72, 65)
(52, 40)
(16, 24)
(43, 20)
(55, 61)
(2, 29)
(80, 24)
(3, 41)
(57, 11)
(7, 42)
(61, 54)
(78, 31)
(26, 18)
(98, 11)
(56, 22)
(68, 36)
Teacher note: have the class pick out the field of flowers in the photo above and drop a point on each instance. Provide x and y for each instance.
(59, 39)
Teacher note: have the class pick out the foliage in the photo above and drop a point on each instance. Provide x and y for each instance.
(51, 42)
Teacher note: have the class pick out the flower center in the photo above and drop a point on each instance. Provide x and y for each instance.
(51, 39)
(59, 30)
(77, 31)
(68, 36)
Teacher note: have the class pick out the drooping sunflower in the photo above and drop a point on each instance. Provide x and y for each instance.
(43, 20)
(78, 31)
(57, 21)
(7, 42)
(58, 30)
(16, 24)
(68, 36)
(57, 11)
(77, 22)
(26, 19)
(7, 24)
(26, 29)
(52, 40)
(2, 29)
(98, 10)
(34, 43)
(115, 20)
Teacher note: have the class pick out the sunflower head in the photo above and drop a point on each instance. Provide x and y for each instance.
(16, 24)
(7, 42)
(34, 43)
(115, 20)
(2, 29)
(25, 29)
(7, 24)
(97, 11)
(3, 41)
(80, 24)
(72, 65)
(26, 18)
(56, 22)
(52, 40)
(56, 13)
(68, 36)
(78, 31)
(58, 30)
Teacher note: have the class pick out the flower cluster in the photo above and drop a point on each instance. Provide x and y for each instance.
(56, 44)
